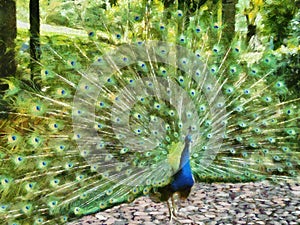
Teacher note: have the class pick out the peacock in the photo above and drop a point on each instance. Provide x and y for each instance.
(153, 97)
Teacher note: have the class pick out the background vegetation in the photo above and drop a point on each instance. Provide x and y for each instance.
(279, 21)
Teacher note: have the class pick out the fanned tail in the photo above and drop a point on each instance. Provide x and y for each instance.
(105, 121)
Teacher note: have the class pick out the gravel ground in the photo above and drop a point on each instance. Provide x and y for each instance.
(213, 204)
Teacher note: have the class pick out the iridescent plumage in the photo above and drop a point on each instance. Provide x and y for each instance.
(150, 100)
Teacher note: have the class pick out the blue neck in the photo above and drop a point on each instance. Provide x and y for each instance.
(185, 156)
(183, 179)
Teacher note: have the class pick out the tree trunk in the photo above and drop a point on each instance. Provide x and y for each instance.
(229, 17)
(8, 33)
(35, 52)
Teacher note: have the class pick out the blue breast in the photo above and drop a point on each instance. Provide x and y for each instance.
(183, 179)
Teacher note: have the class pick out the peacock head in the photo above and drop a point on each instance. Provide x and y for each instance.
(188, 139)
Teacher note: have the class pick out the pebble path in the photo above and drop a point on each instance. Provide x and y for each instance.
(212, 204)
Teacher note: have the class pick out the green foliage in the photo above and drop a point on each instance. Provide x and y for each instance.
(276, 19)
(290, 53)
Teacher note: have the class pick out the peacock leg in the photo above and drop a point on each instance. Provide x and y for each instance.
(174, 206)
(170, 212)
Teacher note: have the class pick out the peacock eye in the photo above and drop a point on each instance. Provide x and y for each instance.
(179, 13)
